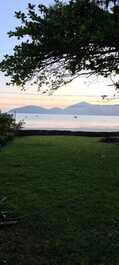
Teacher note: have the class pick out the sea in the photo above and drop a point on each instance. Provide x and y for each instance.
(69, 122)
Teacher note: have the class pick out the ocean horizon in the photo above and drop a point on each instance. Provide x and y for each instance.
(69, 122)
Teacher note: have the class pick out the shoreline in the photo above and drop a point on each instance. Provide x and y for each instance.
(36, 132)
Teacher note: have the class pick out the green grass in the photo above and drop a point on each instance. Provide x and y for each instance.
(65, 190)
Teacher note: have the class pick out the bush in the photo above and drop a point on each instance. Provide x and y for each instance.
(8, 128)
(3, 141)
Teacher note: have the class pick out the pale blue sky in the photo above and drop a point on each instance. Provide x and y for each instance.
(8, 20)
(11, 96)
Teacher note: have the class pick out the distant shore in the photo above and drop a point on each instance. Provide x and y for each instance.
(31, 132)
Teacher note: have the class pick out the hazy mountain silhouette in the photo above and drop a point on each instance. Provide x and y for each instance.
(82, 108)
(36, 110)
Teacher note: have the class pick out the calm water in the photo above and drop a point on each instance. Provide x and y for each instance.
(69, 122)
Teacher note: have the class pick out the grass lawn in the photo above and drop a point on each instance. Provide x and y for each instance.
(65, 193)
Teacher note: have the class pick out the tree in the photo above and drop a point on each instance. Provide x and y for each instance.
(104, 96)
(63, 41)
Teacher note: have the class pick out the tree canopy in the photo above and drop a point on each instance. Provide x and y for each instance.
(64, 40)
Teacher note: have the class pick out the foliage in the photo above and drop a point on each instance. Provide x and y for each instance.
(63, 41)
(8, 127)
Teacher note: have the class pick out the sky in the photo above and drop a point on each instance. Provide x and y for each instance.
(82, 89)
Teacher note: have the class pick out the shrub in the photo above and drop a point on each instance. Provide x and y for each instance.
(8, 128)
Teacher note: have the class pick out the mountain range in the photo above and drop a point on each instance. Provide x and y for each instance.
(82, 108)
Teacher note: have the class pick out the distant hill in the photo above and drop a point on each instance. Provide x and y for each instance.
(36, 110)
(28, 109)
(82, 108)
